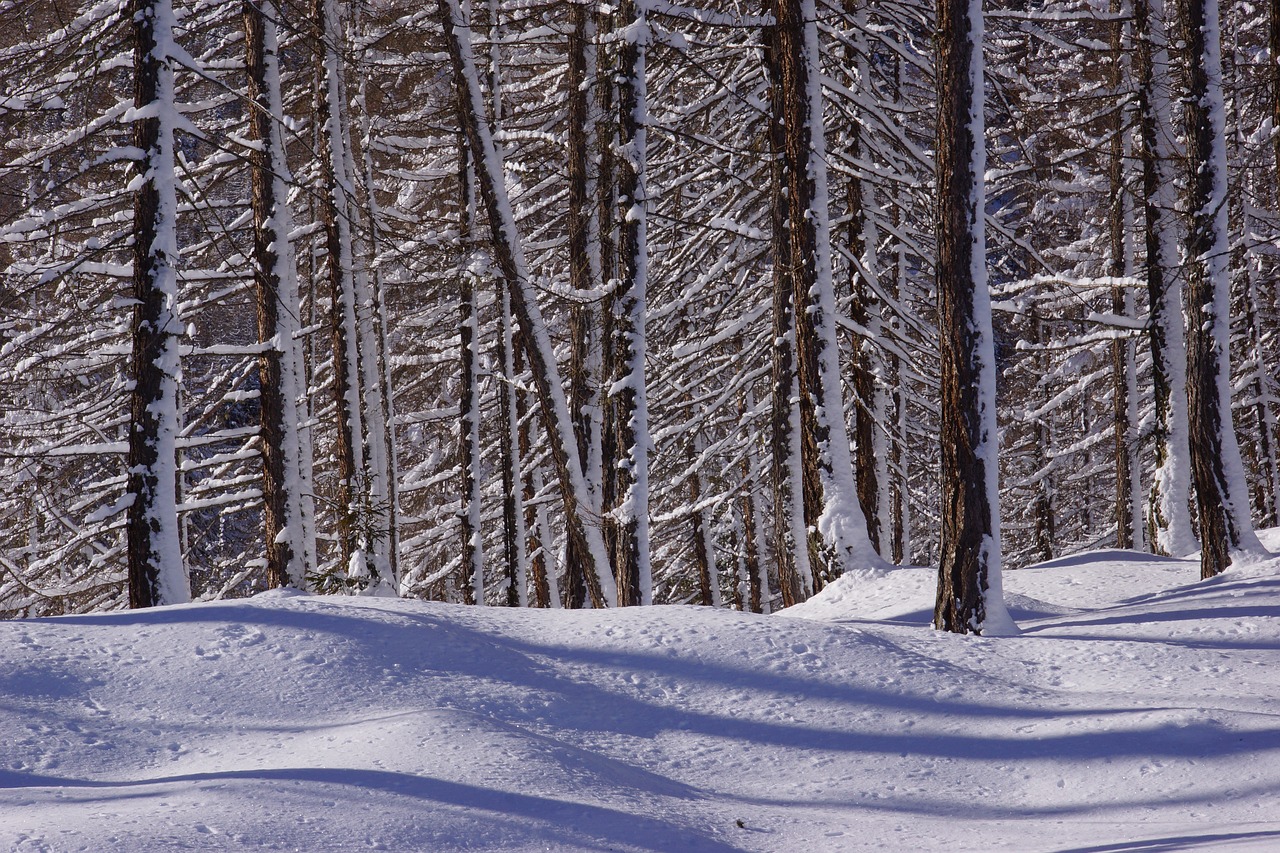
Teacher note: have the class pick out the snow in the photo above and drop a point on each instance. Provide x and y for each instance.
(1135, 711)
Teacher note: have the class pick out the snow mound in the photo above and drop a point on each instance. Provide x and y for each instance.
(1135, 711)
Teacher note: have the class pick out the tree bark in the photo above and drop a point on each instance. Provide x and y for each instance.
(1169, 516)
(969, 598)
(627, 388)
(469, 397)
(154, 551)
(1221, 497)
(791, 541)
(835, 519)
(275, 277)
(509, 253)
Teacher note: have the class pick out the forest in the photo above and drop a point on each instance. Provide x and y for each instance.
(571, 303)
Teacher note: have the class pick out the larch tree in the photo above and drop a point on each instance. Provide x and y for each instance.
(287, 504)
(969, 598)
(156, 570)
(1221, 494)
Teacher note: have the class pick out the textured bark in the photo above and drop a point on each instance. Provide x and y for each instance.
(336, 226)
(969, 540)
(1046, 536)
(469, 397)
(1169, 520)
(536, 544)
(802, 243)
(585, 359)
(546, 377)
(1215, 456)
(272, 364)
(151, 524)
(1128, 535)
(863, 306)
(515, 571)
(790, 542)
(626, 398)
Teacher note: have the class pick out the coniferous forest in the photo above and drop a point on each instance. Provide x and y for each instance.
(587, 304)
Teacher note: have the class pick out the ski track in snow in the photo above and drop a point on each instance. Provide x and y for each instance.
(1137, 711)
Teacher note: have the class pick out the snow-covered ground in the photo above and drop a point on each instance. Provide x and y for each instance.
(1138, 710)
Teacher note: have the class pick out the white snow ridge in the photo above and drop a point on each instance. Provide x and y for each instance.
(1137, 711)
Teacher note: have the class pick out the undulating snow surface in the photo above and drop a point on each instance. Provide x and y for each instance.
(1138, 710)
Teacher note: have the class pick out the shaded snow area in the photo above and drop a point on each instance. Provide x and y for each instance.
(1138, 710)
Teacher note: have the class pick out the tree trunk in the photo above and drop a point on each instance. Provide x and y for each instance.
(969, 597)
(469, 398)
(1169, 515)
(628, 399)
(791, 541)
(275, 277)
(515, 562)
(509, 252)
(335, 220)
(586, 358)
(1221, 495)
(1128, 523)
(156, 571)
(830, 489)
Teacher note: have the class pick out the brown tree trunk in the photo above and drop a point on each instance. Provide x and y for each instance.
(469, 397)
(262, 171)
(1117, 268)
(790, 541)
(626, 307)
(1211, 432)
(151, 525)
(970, 544)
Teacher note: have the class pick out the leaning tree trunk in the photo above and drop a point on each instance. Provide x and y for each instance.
(1221, 494)
(509, 253)
(276, 279)
(156, 572)
(969, 597)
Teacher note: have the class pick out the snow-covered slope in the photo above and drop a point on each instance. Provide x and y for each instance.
(1138, 710)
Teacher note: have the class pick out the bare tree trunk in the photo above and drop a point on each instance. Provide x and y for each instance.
(704, 554)
(1045, 516)
(515, 560)
(509, 253)
(585, 273)
(275, 277)
(969, 597)
(791, 541)
(469, 398)
(154, 550)
(336, 222)
(627, 395)
(835, 518)
(1221, 496)
(1128, 528)
(1169, 515)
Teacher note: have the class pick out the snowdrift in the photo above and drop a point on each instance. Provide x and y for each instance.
(1137, 711)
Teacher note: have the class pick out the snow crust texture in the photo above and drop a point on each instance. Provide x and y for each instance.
(1136, 711)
